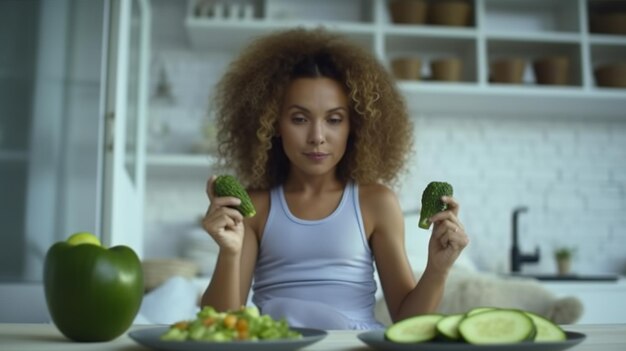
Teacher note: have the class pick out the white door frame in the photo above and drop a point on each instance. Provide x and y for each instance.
(124, 191)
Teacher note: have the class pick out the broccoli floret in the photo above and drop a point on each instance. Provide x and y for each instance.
(227, 185)
(431, 201)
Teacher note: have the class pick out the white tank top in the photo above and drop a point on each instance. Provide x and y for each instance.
(316, 273)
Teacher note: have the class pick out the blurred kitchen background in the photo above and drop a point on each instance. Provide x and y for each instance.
(84, 84)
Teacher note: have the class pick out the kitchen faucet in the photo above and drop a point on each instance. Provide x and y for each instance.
(518, 258)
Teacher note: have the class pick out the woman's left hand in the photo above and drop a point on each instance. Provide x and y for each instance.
(448, 238)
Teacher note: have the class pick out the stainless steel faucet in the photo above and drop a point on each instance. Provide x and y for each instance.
(518, 258)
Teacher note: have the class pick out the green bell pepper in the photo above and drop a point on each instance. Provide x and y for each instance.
(92, 293)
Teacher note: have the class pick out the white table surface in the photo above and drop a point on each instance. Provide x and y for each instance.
(27, 337)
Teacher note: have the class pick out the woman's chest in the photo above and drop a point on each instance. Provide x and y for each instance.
(313, 207)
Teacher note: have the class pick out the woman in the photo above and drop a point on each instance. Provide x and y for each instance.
(316, 129)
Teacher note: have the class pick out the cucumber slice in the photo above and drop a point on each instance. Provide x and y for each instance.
(414, 329)
(546, 330)
(498, 326)
(479, 310)
(448, 327)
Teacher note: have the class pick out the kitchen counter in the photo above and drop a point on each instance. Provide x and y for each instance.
(33, 337)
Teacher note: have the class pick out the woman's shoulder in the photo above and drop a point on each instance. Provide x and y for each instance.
(377, 197)
(379, 207)
(376, 190)
(261, 201)
(260, 198)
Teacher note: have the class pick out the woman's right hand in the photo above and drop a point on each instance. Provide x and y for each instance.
(224, 222)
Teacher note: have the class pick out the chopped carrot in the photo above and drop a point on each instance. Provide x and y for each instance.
(242, 325)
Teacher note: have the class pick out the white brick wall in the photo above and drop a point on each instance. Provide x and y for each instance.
(570, 174)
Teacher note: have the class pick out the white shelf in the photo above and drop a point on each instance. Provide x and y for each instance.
(616, 40)
(544, 37)
(437, 32)
(521, 100)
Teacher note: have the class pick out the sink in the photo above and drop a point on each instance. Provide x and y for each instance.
(569, 277)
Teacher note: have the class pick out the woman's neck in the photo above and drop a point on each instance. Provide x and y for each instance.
(312, 184)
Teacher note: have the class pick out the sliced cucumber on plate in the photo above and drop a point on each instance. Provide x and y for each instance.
(498, 326)
(414, 329)
(546, 330)
(480, 325)
(448, 327)
(478, 310)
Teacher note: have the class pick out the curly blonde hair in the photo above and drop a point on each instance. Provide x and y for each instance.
(248, 101)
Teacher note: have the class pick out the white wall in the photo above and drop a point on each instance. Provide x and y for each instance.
(570, 174)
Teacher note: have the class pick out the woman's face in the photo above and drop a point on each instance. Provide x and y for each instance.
(314, 125)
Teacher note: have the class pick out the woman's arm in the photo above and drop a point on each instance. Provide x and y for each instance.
(237, 239)
(403, 296)
(232, 277)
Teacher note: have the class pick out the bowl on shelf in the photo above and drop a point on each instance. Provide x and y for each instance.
(446, 69)
(450, 13)
(509, 70)
(551, 70)
(608, 23)
(611, 75)
(406, 68)
(408, 11)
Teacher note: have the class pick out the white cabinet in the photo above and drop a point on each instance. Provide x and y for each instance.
(527, 29)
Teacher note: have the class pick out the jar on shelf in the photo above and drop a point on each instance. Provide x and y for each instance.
(509, 70)
(607, 17)
(450, 13)
(446, 69)
(408, 11)
(552, 70)
(612, 75)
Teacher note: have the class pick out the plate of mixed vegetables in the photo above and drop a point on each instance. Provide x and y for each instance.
(244, 328)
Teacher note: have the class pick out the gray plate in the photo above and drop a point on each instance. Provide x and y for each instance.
(376, 339)
(150, 337)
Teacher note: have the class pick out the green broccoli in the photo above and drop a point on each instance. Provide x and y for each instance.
(227, 185)
(431, 201)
